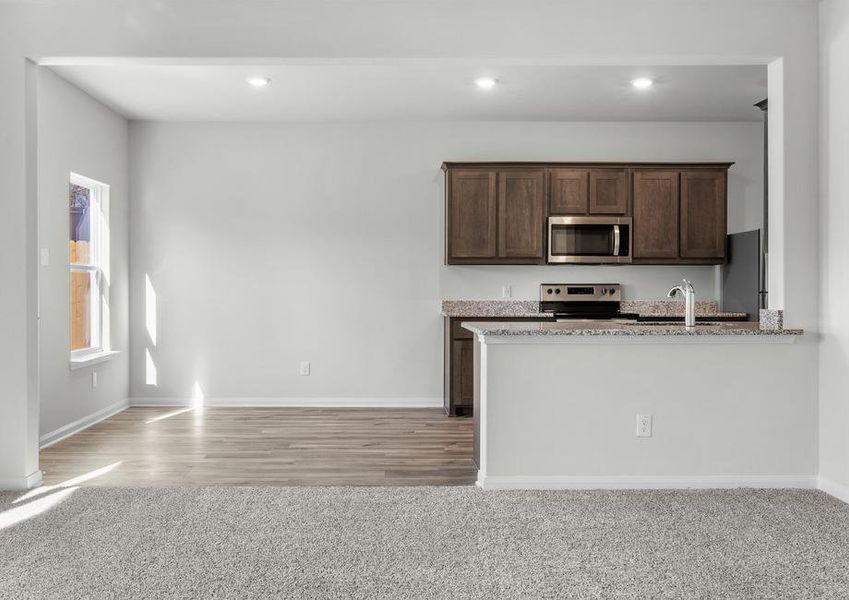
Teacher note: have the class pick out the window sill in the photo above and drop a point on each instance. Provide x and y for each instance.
(93, 359)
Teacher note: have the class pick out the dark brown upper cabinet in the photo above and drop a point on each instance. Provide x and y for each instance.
(496, 212)
(472, 226)
(588, 191)
(570, 191)
(703, 214)
(656, 204)
(608, 192)
(495, 217)
(521, 214)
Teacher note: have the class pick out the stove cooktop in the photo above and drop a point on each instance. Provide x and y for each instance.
(570, 316)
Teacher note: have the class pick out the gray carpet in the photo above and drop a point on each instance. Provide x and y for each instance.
(427, 543)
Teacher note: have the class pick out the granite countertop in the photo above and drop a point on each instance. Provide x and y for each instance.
(493, 308)
(530, 309)
(614, 328)
(675, 308)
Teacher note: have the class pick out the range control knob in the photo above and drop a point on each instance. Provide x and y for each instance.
(549, 291)
(557, 291)
(612, 291)
(603, 291)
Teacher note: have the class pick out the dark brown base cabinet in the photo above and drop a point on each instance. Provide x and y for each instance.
(459, 377)
(496, 213)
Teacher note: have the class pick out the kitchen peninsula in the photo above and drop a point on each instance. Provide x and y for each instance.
(459, 376)
(621, 405)
(588, 388)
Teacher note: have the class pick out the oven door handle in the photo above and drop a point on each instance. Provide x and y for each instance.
(616, 240)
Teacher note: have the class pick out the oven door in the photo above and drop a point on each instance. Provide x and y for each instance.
(589, 240)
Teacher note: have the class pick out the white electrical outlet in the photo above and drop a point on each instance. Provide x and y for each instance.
(643, 425)
(45, 257)
(93, 379)
(305, 368)
(506, 291)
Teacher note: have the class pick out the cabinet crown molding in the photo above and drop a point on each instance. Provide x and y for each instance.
(585, 165)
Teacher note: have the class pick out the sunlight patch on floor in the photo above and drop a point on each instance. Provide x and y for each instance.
(173, 413)
(18, 514)
(74, 482)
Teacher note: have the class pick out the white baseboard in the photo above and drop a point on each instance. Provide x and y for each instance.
(838, 490)
(294, 402)
(33, 480)
(639, 482)
(71, 428)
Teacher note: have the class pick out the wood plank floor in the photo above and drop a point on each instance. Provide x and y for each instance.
(266, 446)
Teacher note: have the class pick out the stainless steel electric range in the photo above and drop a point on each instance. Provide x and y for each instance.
(572, 301)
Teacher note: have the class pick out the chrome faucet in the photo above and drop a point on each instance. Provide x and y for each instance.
(689, 292)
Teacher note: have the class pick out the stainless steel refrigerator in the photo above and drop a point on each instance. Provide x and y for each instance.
(744, 285)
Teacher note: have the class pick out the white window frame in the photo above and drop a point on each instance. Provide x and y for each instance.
(99, 268)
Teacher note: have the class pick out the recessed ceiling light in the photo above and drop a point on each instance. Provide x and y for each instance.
(485, 83)
(642, 83)
(259, 81)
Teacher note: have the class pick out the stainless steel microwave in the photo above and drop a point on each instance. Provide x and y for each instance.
(589, 240)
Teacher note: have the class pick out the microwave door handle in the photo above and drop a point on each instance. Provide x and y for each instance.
(550, 240)
(616, 240)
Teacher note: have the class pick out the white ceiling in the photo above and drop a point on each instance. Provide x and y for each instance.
(424, 91)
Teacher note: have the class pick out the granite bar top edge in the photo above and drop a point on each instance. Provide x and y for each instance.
(619, 330)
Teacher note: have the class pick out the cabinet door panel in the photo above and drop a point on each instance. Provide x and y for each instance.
(472, 231)
(703, 214)
(569, 191)
(655, 214)
(521, 214)
(462, 372)
(608, 192)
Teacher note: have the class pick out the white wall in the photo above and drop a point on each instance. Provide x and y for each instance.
(76, 133)
(552, 411)
(267, 244)
(696, 31)
(834, 193)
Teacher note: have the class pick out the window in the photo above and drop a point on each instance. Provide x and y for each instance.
(89, 257)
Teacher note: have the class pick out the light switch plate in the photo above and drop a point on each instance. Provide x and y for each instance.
(304, 368)
(506, 291)
(45, 257)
